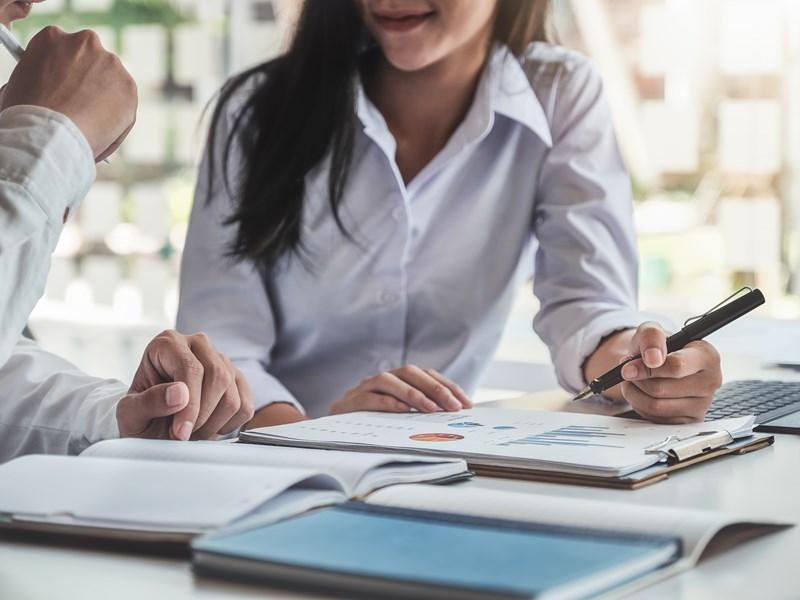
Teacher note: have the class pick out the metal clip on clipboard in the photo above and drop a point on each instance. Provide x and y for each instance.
(698, 444)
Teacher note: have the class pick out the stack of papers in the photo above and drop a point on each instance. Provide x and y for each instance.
(568, 443)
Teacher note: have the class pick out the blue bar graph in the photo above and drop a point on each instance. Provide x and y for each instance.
(572, 435)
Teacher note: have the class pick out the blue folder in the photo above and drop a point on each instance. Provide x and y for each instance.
(371, 550)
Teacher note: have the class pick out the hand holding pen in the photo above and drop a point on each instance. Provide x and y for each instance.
(669, 379)
(74, 75)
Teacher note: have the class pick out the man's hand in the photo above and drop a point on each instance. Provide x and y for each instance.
(664, 388)
(184, 389)
(73, 74)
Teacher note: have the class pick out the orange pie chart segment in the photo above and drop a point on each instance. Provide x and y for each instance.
(436, 437)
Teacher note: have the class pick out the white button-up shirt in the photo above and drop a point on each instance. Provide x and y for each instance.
(46, 404)
(530, 183)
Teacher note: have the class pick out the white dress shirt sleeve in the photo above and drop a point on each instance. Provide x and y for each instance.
(224, 297)
(46, 168)
(586, 273)
(46, 404)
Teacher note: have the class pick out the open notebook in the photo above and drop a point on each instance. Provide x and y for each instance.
(151, 490)
(472, 542)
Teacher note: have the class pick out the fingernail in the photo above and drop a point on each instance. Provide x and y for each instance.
(175, 395)
(630, 371)
(185, 430)
(455, 403)
(431, 406)
(653, 357)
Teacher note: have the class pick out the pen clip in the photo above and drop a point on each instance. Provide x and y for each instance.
(720, 305)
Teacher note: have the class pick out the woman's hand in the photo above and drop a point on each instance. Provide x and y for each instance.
(403, 390)
(674, 388)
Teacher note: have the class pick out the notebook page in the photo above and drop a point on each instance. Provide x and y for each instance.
(410, 470)
(356, 470)
(175, 495)
(290, 503)
(694, 527)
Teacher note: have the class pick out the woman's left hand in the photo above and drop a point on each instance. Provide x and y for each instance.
(670, 388)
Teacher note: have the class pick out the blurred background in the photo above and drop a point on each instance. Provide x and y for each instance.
(706, 103)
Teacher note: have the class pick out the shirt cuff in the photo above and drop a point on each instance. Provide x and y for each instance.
(97, 415)
(52, 160)
(570, 357)
(266, 389)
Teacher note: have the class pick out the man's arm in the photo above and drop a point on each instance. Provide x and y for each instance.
(67, 102)
(47, 405)
(46, 167)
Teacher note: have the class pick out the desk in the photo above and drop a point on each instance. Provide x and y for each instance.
(765, 483)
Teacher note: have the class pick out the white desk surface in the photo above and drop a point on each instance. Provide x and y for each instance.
(765, 483)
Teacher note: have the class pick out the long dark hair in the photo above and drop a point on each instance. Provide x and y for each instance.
(302, 110)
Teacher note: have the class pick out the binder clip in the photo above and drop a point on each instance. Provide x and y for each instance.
(676, 448)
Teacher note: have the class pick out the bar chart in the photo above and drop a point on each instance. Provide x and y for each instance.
(572, 435)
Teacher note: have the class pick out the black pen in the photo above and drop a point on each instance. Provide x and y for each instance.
(696, 330)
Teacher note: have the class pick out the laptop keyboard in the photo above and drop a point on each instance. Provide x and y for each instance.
(767, 400)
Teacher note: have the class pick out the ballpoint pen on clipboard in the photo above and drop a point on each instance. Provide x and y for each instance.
(694, 329)
(15, 49)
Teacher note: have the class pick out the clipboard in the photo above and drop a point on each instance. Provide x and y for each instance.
(693, 451)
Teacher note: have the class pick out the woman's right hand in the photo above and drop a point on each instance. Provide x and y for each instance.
(402, 390)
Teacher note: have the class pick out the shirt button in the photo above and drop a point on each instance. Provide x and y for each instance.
(388, 298)
(398, 214)
(385, 365)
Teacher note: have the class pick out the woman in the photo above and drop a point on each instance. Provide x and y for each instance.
(372, 198)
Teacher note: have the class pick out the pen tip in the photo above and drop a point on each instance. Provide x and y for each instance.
(584, 393)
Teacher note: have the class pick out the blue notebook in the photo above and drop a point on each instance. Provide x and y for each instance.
(376, 550)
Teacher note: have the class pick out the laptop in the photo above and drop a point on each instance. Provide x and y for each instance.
(776, 404)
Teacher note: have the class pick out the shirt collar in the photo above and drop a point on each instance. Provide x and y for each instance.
(372, 121)
(504, 89)
(513, 95)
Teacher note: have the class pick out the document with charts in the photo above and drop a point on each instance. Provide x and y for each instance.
(490, 437)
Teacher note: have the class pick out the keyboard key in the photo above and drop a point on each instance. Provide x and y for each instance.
(738, 398)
